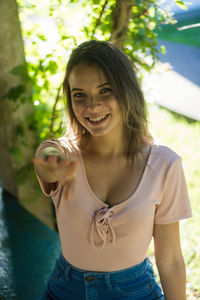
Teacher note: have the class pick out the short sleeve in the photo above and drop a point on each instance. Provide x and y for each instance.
(174, 204)
(50, 189)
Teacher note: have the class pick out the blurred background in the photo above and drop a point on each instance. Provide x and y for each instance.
(36, 39)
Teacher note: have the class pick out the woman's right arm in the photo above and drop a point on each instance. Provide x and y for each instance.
(53, 168)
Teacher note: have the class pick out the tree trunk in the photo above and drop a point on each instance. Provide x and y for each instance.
(17, 140)
(120, 19)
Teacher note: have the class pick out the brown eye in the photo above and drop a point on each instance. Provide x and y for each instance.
(78, 95)
(105, 91)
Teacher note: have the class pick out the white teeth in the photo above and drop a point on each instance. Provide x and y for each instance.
(97, 119)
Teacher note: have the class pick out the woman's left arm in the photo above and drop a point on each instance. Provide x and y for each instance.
(169, 261)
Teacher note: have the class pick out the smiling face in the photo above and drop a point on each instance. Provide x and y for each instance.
(93, 101)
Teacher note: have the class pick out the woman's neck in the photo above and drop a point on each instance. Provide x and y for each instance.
(106, 145)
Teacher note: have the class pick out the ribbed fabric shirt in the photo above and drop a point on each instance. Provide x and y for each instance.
(97, 237)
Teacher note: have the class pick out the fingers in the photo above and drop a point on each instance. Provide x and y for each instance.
(62, 171)
(53, 160)
(51, 151)
(53, 163)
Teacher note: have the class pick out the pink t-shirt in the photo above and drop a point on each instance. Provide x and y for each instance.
(97, 237)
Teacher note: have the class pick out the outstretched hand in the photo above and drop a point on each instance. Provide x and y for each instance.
(52, 166)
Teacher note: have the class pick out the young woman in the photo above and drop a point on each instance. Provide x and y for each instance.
(112, 187)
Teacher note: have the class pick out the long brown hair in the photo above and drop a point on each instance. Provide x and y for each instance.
(120, 71)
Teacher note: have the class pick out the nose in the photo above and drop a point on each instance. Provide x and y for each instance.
(93, 103)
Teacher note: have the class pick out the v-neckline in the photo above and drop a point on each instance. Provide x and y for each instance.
(133, 194)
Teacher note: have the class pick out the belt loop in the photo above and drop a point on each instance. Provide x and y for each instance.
(67, 272)
(107, 281)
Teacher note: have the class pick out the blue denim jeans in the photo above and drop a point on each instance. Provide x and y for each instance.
(69, 283)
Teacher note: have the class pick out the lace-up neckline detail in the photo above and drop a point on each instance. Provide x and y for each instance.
(102, 224)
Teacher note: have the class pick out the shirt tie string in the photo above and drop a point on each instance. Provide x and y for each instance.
(101, 218)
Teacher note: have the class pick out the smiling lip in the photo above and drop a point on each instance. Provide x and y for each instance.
(97, 120)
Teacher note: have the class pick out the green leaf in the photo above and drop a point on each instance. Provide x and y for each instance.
(20, 130)
(22, 100)
(162, 49)
(16, 153)
(42, 37)
(53, 67)
(96, 2)
(181, 4)
(15, 92)
(20, 71)
(23, 174)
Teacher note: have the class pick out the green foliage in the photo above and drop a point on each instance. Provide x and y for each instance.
(21, 71)
(141, 40)
(17, 153)
(47, 47)
(181, 4)
(15, 92)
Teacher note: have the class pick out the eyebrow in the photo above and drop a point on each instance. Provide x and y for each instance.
(103, 84)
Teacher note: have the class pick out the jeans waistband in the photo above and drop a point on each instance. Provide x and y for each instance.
(132, 272)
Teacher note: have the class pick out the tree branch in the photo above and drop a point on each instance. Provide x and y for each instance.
(98, 21)
(120, 17)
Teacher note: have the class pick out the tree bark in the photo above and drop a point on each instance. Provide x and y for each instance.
(17, 140)
(11, 55)
(120, 19)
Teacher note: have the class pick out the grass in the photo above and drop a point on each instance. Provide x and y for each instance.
(189, 36)
(183, 136)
